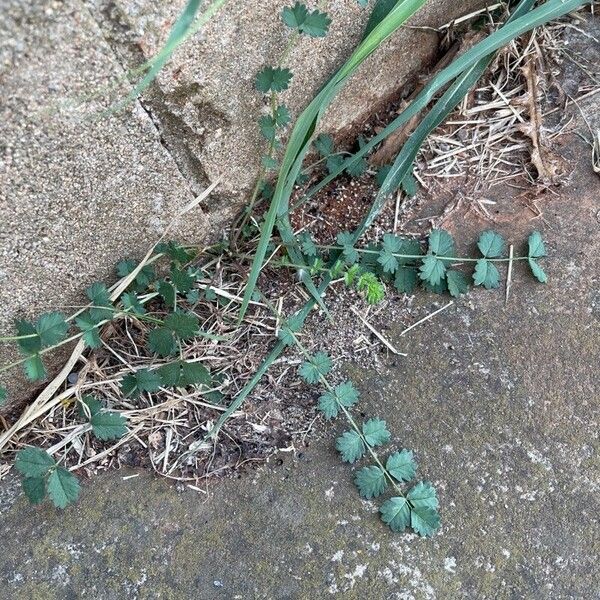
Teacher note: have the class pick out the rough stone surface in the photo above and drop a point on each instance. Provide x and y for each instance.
(500, 404)
(77, 195)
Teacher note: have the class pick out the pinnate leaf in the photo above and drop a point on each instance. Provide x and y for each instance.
(350, 254)
(371, 482)
(33, 462)
(183, 325)
(375, 432)
(51, 328)
(351, 446)
(63, 487)
(88, 325)
(142, 380)
(401, 465)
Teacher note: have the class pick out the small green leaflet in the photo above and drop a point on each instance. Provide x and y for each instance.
(358, 168)
(182, 374)
(51, 328)
(318, 365)
(370, 482)
(344, 393)
(401, 465)
(175, 252)
(324, 144)
(537, 271)
(375, 432)
(267, 127)
(307, 245)
(351, 446)
(162, 342)
(281, 115)
(34, 368)
(167, 292)
(273, 79)
(536, 245)
(108, 425)
(457, 283)
(142, 380)
(333, 162)
(441, 243)
(89, 406)
(33, 462)
(405, 280)
(424, 518)
(395, 512)
(491, 244)
(183, 325)
(409, 184)
(63, 487)
(423, 494)
(314, 24)
(100, 298)
(344, 239)
(142, 280)
(89, 328)
(293, 325)
(486, 274)
(35, 489)
(391, 245)
(432, 270)
(29, 345)
(181, 280)
(328, 405)
(132, 304)
(3, 395)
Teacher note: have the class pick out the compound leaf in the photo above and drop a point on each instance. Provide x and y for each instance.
(314, 24)
(371, 482)
(395, 512)
(350, 253)
(132, 304)
(63, 487)
(423, 494)
(457, 283)
(491, 244)
(293, 325)
(35, 489)
(401, 465)
(486, 274)
(33, 462)
(108, 425)
(375, 432)
(351, 446)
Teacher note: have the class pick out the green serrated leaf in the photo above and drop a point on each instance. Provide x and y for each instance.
(108, 425)
(292, 325)
(371, 482)
(424, 521)
(457, 283)
(486, 274)
(328, 405)
(307, 244)
(34, 488)
(375, 432)
(142, 380)
(34, 368)
(63, 487)
(324, 145)
(388, 261)
(441, 243)
(432, 270)
(423, 494)
(184, 325)
(314, 24)
(175, 252)
(312, 369)
(162, 342)
(409, 184)
(401, 465)
(51, 328)
(132, 304)
(282, 115)
(537, 249)
(29, 345)
(89, 406)
(99, 297)
(405, 280)
(350, 254)
(167, 292)
(395, 512)
(33, 462)
(267, 127)
(351, 446)
(182, 374)
(537, 271)
(491, 244)
(181, 280)
(89, 327)
(438, 288)
(358, 168)
(347, 395)
(273, 79)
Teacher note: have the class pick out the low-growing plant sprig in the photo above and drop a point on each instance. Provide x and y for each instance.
(402, 261)
(416, 508)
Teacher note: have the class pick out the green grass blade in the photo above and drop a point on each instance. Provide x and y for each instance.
(300, 138)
